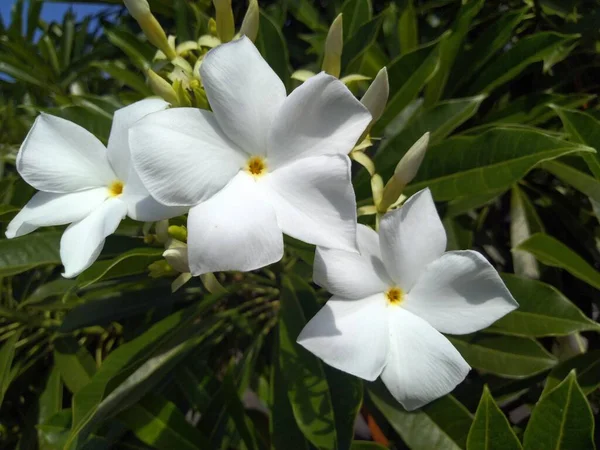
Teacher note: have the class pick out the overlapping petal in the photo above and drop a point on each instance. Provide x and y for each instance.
(83, 241)
(314, 201)
(182, 156)
(119, 154)
(352, 275)
(350, 335)
(59, 156)
(321, 117)
(422, 365)
(244, 93)
(411, 237)
(460, 293)
(236, 229)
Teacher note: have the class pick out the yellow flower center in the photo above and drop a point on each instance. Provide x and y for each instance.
(394, 296)
(116, 188)
(256, 166)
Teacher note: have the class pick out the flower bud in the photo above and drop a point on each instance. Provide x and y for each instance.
(162, 88)
(376, 97)
(137, 8)
(179, 233)
(251, 20)
(334, 44)
(177, 256)
(405, 171)
(224, 19)
(161, 228)
(140, 10)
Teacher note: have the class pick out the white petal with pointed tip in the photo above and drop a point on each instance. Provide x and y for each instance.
(60, 156)
(244, 93)
(118, 142)
(352, 275)
(47, 209)
(142, 206)
(314, 201)
(321, 117)
(411, 237)
(83, 241)
(350, 335)
(422, 365)
(236, 229)
(182, 156)
(460, 293)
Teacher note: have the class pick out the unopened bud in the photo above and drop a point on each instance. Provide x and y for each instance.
(377, 188)
(179, 233)
(251, 20)
(177, 256)
(162, 88)
(137, 8)
(161, 228)
(140, 10)
(334, 44)
(225, 21)
(376, 97)
(405, 172)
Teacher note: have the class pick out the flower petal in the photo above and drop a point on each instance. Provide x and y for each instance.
(82, 241)
(118, 142)
(422, 364)
(321, 117)
(47, 209)
(411, 237)
(244, 93)
(350, 335)
(142, 206)
(60, 156)
(182, 156)
(460, 293)
(234, 230)
(314, 201)
(352, 275)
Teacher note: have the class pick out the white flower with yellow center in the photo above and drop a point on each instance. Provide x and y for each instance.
(391, 303)
(261, 164)
(83, 183)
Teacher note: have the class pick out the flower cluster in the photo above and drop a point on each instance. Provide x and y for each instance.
(261, 164)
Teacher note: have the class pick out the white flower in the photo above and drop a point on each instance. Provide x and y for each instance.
(391, 302)
(83, 183)
(260, 164)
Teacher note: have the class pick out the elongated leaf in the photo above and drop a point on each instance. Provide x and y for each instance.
(561, 420)
(125, 76)
(308, 391)
(51, 399)
(7, 354)
(408, 27)
(489, 162)
(407, 75)
(236, 411)
(587, 366)
(543, 311)
(508, 65)
(129, 263)
(521, 229)
(355, 13)
(506, 356)
(581, 181)
(74, 362)
(356, 47)
(552, 252)
(24, 253)
(273, 47)
(491, 430)
(158, 423)
(305, 12)
(449, 48)
(441, 425)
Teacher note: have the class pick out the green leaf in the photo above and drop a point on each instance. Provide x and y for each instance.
(543, 311)
(25, 253)
(491, 430)
(138, 52)
(449, 47)
(273, 47)
(408, 27)
(561, 420)
(505, 67)
(442, 425)
(355, 14)
(307, 13)
(581, 181)
(159, 423)
(308, 391)
(523, 222)
(407, 75)
(7, 354)
(51, 399)
(74, 362)
(506, 356)
(489, 162)
(125, 76)
(587, 366)
(366, 445)
(552, 252)
(129, 263)
(359, 44)
(236, 411)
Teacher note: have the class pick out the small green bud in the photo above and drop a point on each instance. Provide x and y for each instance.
(162, 88)
(224, 20)
(376, 97)
(140, 10)
(334, 44)
(251, 20)
(179, 233)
